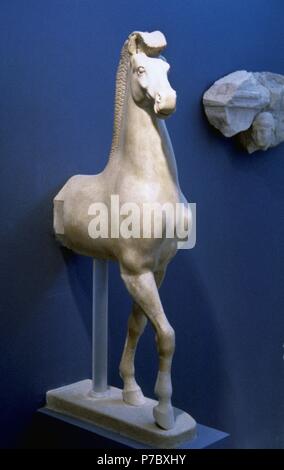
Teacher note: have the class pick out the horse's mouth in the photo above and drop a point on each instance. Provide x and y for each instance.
(163, 114)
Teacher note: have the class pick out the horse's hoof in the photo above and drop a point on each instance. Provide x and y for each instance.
(133, 397)
(164, 416)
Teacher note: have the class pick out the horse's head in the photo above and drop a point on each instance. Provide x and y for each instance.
(149, 82)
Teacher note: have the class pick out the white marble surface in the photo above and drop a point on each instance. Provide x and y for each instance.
(111, 412)
(249, 105)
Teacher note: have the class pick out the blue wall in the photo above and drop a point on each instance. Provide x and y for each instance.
(224, 298)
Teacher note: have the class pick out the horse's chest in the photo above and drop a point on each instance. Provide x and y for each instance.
(148, 190)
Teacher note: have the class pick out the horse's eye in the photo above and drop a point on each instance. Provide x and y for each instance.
(140, 70)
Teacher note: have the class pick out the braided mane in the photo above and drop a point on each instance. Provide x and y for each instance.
(151, 44)
(120, 93)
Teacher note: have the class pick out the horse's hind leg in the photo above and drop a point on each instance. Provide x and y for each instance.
(132, 393)
(144, 291)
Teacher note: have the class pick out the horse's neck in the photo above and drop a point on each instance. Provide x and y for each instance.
(144, 145)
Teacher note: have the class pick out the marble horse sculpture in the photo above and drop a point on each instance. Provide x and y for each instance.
(250, 106)
(142, 169)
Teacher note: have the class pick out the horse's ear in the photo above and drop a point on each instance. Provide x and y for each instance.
(150, 43)
(133, 44)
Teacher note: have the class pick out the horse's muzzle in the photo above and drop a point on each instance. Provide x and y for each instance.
(165, 104)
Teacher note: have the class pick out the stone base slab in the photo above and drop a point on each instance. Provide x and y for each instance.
(111, 413)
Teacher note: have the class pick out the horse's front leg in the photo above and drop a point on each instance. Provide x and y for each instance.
(132, 393)
(143, 289)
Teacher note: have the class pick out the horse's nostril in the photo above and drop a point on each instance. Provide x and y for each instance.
(158, 98)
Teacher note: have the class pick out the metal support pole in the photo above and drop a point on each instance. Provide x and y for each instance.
(100, 326)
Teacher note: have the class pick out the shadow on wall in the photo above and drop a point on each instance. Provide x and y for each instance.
(44, 343)
(79, 271)
(198, 343)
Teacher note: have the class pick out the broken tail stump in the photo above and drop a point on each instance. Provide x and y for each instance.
(96, 403)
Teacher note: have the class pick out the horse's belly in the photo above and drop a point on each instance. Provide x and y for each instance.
(142, 255)
(149, 251)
